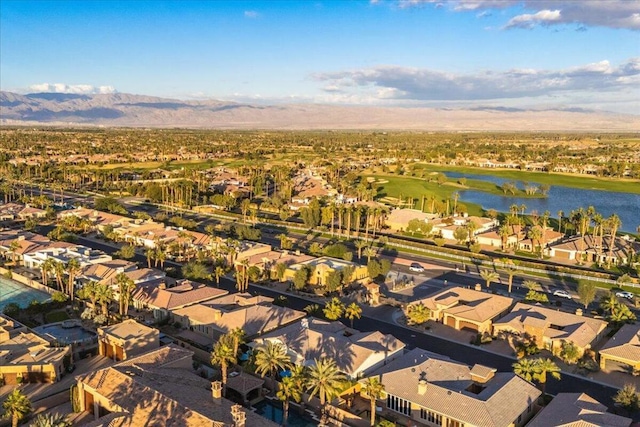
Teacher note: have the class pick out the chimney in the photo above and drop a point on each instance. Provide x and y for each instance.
(578, 312)
(422, 387)
(216, 391)
(239, 416)
(478, 287)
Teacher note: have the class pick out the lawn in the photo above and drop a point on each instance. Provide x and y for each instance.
(56, 316)
(568, 180)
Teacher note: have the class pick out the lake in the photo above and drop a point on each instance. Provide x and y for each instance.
(625, 205)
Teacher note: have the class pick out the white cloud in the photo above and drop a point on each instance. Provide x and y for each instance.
(75, 89)
(251, 14)
(403, 84)
(531, 20)
(585, 13)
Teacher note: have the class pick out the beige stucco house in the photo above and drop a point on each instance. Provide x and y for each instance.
(127, 339)
(463, 308)
(623, 347)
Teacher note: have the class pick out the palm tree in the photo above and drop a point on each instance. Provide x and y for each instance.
(545, 367)
(238, 335)
(609, 303)
(325, 380)
(489, 276)
(16, 406)
(614, 223)
(47, 267)
(222, 355)
(373, 388)
(50, 420)
(161, 256)
(510, 268)
(125, 288)
(353, 311)
(271, 357)
(334, 309)
(525, 369)
(504, 233)
(73, 267)
(360, 245)
(89, 291)
(370, 252)
(13, 247)
(289, 389)
(149, 253)
(104, 296)
(218, 272)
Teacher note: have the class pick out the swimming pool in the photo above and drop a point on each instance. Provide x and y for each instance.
(15, 292)
(68, 333)
(273, 411)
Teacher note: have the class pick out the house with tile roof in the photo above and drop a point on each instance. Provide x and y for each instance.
(127, 339)
(322, 267)
(106, 272)
(594, 249)
(464, 308)
(623, 347)
(551, 328)
(492, 237)
(160, 298)
(577, 410)
(28, 358)
(99, 219)
(355, 353)
(254, 314)
(398, 219)
(31, 212)
(159, 388)
(9, 211)
(424, 388)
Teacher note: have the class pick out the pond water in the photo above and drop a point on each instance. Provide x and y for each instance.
(566, 199)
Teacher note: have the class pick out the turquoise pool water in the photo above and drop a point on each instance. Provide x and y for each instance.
(12, 291)
(67, 335)
(273, 411)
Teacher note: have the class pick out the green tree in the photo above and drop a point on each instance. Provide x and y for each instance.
(489, 276)
(417, 314)
(271, 357)
(50, 420)
(126, 287)
(16, 406)
(461, 234)
(353, 311)
(238, 336)
(334, 309)
(628, 397)
(374, 389)
(525, 369)
(289, 389)
(511, 269)
(104, 296)
(223, 356)
(281, 268)
(374, 268)
(126, 252)
(586, 292)
(195, 271)
(72, 267)
(218, 272)
(569, 352)
(545, 367)
(334, 281)
(324, 381)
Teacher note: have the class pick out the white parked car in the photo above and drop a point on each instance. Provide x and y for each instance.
(624, 294)
(562, 294)
(416, 267)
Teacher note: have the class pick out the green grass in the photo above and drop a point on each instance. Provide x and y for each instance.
(56, 316)
(568, 180)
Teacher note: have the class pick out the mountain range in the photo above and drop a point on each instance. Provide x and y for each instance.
(126, 110)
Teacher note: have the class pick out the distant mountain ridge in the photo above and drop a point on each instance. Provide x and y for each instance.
(127, 110)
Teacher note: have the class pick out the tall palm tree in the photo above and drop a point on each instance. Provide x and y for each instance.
(222, 355)
(373, 388)
(614, 223)
(16, 406)
(47, 267)
(73, 267)
(150, 254)
(360, 245)
(89, 291)
(353, 311)
(13, 247)
(489, 276)
(504, 232)
(271, 357)
(511, 269)
(545, 367)
(104, 296)
(370, 252)
(125, 289)
(289, 389)
(238, 336)
(325, 381)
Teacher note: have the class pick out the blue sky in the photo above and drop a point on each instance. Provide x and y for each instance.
(456, 53)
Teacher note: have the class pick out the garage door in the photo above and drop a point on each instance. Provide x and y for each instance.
(451, 322)
(468, 326)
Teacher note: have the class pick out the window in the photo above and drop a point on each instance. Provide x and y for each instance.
(399, 405)
(430, 416)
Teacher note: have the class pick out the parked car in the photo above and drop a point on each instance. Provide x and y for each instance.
(624, 294)
(562, 294)
(416, 267)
